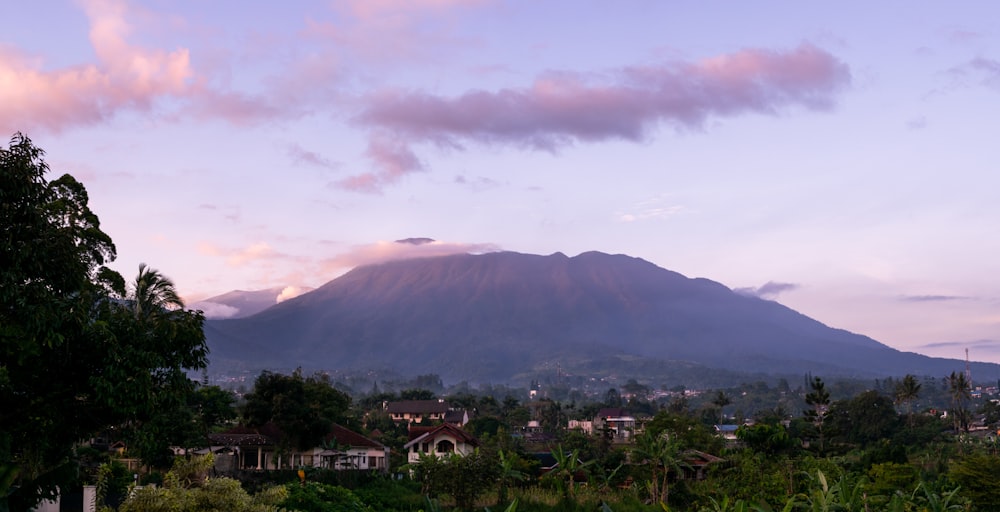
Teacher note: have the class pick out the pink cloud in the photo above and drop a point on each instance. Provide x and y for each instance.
(381, 32)
(369, 9)
(254, 254)
(300, 155)
(392, 159)
(561, 109)
(125, 77)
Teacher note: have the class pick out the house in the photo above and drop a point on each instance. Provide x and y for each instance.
(587, 427)
(246, 448)
(438, 441)
(346, 449)
(727, 432)
(615, 420)
(425, 411)
(696, 463)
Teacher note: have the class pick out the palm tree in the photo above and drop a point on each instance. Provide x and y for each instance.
(153, 293)
(906, 392)
(663, 455)
(958, 386)
(721, 401)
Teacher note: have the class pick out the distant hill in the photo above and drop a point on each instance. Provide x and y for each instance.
(240, 303)
(504, 315)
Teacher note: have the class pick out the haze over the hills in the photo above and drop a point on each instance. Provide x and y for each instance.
(501, 315)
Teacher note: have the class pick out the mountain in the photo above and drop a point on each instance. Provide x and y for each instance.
(499, 316)
(240, 303)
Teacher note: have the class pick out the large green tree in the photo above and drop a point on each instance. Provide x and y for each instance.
(303, 408)
(74, 358)
(864, 420)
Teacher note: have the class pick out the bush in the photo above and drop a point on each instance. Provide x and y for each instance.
(317, 497)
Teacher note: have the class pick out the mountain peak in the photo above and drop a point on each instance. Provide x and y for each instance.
(498, 315)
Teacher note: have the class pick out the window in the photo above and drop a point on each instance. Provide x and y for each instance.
(445, 446)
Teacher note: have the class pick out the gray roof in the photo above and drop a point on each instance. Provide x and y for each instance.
(418, 407)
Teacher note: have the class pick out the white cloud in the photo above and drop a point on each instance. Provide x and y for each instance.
(215, 310)
(290, 292)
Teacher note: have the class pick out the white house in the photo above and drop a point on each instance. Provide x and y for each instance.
(438, 441)
(425, 411)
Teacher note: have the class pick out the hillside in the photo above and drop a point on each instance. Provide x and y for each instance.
(498, 316)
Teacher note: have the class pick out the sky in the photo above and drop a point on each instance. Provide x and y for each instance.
(837, 157)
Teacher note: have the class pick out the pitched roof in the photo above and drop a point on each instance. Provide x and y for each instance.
(347, 437)
(418, 407)
(455, 416)
(266, 434)
(612, 412)
(434, 432)
(697, 458)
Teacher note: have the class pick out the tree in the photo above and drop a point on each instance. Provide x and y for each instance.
(613, 398)
(958, 387)
(663, 454)
(302, 408)
(979, 478)
(721, 401)
(770, 439)
(508, 472)
(819, 401)
(188, 487)
(157, 317)
(568, 464)
(416, 394)
(73, 358)
(689, 432)
(906, 391)
(865, 419)
(153, 295)
(213, 407)
(464, 478)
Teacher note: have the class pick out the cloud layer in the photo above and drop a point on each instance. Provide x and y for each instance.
(561, 109)
(558, 109)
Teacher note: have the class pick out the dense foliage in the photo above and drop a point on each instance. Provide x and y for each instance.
(80, 351)
(301, 407)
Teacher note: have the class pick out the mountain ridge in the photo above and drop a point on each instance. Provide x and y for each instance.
(496, 315)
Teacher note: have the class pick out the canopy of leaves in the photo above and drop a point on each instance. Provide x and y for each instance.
(302, 408)
(462, 478)
(74, 357)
